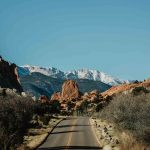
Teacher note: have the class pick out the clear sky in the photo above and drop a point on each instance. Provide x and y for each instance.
(108, 35)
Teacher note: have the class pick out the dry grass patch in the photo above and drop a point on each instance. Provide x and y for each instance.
(128, 142)
(35, 136)
(130, 113)
(34, 141)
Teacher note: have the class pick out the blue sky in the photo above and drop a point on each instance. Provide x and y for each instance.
(108, 35)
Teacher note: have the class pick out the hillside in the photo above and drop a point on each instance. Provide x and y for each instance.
(126, 87)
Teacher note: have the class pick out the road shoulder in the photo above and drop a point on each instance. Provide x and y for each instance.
(105, 134)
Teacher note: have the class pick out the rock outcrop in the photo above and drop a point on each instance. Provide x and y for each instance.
(56, 96)
(92, 96)
(70, 90)
(126, 88)
(9, 76)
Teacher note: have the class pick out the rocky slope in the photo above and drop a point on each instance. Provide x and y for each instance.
(94, 75)
(9, 75)
(125, 88)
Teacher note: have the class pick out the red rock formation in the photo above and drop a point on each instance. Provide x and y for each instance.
(92, 96)
(125, 88)
(70, 90)
(56, 96)
(9, 76)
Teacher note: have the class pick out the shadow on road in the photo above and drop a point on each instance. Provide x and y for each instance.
(66, 131)
(67, 126)
(70, 147)
(70, 118)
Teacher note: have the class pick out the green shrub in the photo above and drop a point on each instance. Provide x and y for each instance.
(41, 108)
(100, 106)
(45, 119)
(64, 113)
(139, 90)
(55, 107)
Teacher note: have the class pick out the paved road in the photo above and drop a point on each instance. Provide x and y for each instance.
(72, 133)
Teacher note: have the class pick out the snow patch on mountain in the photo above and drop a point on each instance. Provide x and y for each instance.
(51, 71)
(75, 74)
(93, 75)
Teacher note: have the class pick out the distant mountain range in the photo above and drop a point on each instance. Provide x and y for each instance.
(38, 84)
(93, 75)
(45, 81)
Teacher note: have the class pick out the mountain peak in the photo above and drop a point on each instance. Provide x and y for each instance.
(84, 73)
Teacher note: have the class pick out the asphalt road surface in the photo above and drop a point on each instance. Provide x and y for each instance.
(73, 133)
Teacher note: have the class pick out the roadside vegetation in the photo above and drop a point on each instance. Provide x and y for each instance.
(15, 115)
(18, 114)
(131, 114)
(23, 120)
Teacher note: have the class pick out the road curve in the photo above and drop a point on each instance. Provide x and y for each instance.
(73, 133)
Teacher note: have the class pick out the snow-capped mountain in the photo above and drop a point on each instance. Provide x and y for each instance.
(76, 74)
(51, 71)
(93, 75)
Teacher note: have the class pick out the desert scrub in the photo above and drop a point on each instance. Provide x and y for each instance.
(15, 115)
(130, 112)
